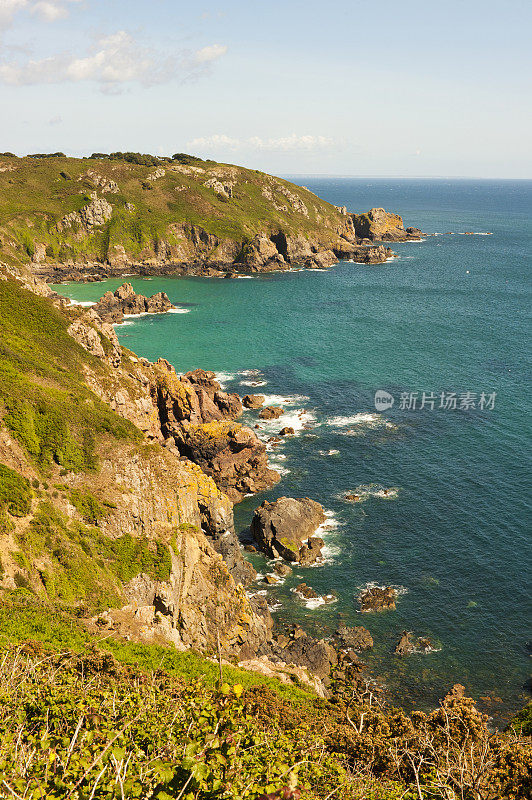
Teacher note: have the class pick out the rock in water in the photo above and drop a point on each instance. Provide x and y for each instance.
(286, 528)
(378, 598)
(253, 401)
(113, 306)
(378, 224)
(287, 431)
(405, 644)
(358, 638)
(271, 412)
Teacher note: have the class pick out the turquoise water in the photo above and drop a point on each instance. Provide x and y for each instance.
(450, 314)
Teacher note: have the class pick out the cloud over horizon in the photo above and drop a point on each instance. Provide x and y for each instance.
(114, 60)
(220, 141)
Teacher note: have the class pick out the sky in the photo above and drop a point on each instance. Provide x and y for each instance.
(344, 87)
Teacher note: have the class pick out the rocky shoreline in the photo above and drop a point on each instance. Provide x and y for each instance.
(196, 423)
(360, 238)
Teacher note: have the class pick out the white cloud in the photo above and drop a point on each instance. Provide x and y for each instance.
(8, 9)
(48, 10)
(210, 53)
(114, 60)
(284, 143)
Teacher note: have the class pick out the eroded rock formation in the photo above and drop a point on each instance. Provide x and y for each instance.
(287, 528)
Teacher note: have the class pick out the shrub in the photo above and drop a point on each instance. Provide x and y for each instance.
(15, 492)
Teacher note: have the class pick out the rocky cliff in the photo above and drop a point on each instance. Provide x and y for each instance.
(113, 519)
(83, 219)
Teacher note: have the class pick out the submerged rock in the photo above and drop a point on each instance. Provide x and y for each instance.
(377, 598)
(286, 526)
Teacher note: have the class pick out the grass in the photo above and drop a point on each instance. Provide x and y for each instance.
(78, 565)
(15, 492)
(23, 618)
(46, 405)
(35, 196)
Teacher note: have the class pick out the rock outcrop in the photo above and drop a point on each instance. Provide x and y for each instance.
(253, 401)
(380, 225)
(357, 638)
(113, 306)
(287, 527)
(377, 598)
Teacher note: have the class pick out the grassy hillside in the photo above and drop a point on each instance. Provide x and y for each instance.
(110, 719)
(44, 401)
(229, 202)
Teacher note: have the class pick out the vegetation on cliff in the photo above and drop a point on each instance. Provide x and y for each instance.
(111, 719)
(58, 209)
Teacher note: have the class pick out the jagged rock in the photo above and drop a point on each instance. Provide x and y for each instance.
(282, 569)
(230, 453)
(323, 260)
(87, 337)
(253, 401)
(271, 412)
(377, 598)
(306, 591)
(380, 225)
(271, 579)
(287, 431)
(358, 638)
(113, 306)
(286, 526)
(97, 212)
(316, 654)
(405, 645)
(105, 185)
(39, 253)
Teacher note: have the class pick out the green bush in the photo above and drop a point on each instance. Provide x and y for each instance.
(15, 492)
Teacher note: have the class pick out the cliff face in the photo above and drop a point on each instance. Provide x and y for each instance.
(69, 218)
(130, 537)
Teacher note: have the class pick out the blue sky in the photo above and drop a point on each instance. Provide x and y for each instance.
(340, 87)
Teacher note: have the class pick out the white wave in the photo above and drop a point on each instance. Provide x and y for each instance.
(178, 310)
(298, 419)
(365, 491)
(225, 377)
(355, 419)
(476, 233)
(328, 452)
(123, 324)
(398, 589)
(364, 420)
(411, 241)
(84, 303)
(315, 602)
(250, 372)
(331, 524)
(253, 384)
(284, 400)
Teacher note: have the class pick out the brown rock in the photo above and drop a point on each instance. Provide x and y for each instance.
(282, 569)
(405, 644)
(285, 527)
(378, 224)
(287, 431)
(358, 638)
(271, 412)
(378, 598)
(306, 591)
(253, 401)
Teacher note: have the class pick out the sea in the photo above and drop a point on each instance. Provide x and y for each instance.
(440, 468)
